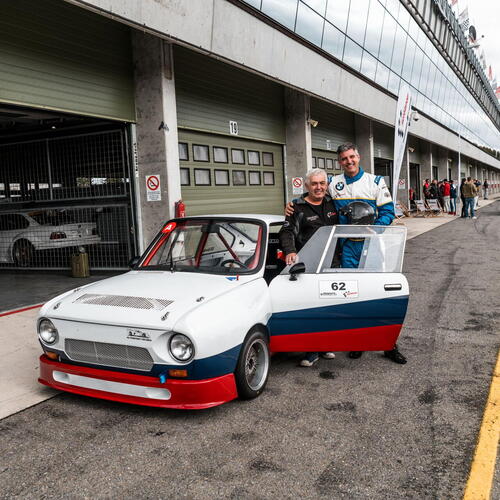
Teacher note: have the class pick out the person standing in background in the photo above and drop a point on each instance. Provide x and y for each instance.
(445, 194)
(470, 192)
(485, 189)
(453, 198)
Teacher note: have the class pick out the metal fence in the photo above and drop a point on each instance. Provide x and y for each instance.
(47, 238)
(61, 194)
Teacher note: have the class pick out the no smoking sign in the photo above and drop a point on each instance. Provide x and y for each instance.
(297, 185)
(153, 190)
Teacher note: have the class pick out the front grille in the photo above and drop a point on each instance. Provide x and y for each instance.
(116, 355)
(123, 301)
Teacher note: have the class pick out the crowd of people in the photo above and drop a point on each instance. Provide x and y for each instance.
(447, 193)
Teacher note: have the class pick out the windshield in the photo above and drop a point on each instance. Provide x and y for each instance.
(211, 246)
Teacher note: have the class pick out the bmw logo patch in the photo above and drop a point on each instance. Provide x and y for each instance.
(339, 186)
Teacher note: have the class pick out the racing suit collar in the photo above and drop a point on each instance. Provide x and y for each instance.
(350, 180)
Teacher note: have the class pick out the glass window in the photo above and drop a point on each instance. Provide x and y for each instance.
(399, 50)
(220, 155)
(417, 67)
(253, 158)
(268, 178)
(336, 13)
(239, 178)
(329, 164)
(200, 153)
(254, 178)
(185, 177)
(283, 11)
(352, 54)
(373, 31)
(202, 177)
(221, 177)
(309, 24)
(254, 3)
(356, 24)
(183, 151)
(387, 40)
(392, 6)
(333, 41)
(403, 17)
(315, 163)
(369, 66)
(382, 77)
(394, 82)
(321, 163)
(238, 156)
(267, 159)
(318, 5)
(408, 60)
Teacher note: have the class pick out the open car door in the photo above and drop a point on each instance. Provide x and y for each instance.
(329, 308)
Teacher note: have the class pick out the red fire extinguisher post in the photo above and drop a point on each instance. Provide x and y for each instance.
(180, 209)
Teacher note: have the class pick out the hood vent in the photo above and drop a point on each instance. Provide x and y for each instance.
(123, 301)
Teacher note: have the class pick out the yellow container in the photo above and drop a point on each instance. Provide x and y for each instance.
(80, 265)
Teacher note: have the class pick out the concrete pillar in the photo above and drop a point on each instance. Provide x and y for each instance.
(298, 157)
(363, 130)
(156, 132)
(442, 164)
(425, 165)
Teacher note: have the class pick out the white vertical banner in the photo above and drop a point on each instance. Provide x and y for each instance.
(403, 116)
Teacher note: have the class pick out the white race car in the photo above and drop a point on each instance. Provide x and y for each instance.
(193, 324)
(24, 233)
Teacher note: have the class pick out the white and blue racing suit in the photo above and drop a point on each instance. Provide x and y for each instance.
(369, 188)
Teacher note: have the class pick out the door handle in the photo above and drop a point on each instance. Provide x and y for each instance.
(393, 286)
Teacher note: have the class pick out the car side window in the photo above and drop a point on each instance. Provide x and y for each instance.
(17, 221)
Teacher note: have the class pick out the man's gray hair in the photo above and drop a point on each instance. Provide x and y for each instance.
(346, 147)
(313, 172)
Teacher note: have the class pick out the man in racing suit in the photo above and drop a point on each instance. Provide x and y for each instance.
(312, 210)
(356, 184)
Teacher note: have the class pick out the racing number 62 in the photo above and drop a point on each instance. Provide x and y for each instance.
(338, 285)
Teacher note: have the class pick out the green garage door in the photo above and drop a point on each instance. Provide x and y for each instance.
(60, 57)
(230, 175)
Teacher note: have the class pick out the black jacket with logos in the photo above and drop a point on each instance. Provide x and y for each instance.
(304, 222)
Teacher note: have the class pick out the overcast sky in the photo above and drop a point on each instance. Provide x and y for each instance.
(485, 15)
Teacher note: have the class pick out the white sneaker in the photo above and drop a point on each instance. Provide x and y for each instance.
(327, 355)
(474, 217)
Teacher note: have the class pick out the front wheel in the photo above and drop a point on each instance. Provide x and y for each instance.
(253, 366)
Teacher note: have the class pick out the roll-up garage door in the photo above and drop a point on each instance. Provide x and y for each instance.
(335, 126)
(231, 134)
(383, 141)
(221, 174)
(60, 57)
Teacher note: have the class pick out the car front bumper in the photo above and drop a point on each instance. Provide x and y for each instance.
(137, 389)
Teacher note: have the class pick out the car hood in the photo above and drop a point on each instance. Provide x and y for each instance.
(148, 299)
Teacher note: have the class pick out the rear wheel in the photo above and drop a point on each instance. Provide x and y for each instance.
(253, 365)
(23, 253)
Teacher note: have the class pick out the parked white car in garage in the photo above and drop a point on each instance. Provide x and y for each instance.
(193, 324)
(24, 233)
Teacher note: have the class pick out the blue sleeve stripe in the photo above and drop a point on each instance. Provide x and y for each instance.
(378, 179)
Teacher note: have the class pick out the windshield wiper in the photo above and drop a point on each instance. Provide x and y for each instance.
(172, 265)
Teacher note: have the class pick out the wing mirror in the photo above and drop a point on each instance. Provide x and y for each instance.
(298, 268)
(133, 262)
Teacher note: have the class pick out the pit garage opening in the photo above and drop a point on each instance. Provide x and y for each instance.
(64, 187)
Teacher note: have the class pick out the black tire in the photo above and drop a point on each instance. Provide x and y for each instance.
(252, 369)
(23, 253)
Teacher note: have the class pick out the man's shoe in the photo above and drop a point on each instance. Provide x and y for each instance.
(474, 217)
(327, 355)
(309, 359)
(355, 354)
(396, 356)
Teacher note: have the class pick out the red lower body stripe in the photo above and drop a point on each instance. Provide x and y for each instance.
(376, 338)
(184, 394)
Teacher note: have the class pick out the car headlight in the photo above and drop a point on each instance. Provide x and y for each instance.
(181, 347)
(47, 331)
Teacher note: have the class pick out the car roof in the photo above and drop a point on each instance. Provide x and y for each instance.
(267, 218)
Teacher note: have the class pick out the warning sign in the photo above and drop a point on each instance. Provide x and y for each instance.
(298, 185)
(153, 190)
(402, 184)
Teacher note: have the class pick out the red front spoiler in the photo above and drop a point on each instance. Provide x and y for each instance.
(184, 394)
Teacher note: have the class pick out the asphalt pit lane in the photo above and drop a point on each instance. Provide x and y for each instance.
(328, 375)
(346, 406)
(261, 465)
(427, 397)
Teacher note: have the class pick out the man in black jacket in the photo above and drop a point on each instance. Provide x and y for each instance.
(312, 210)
